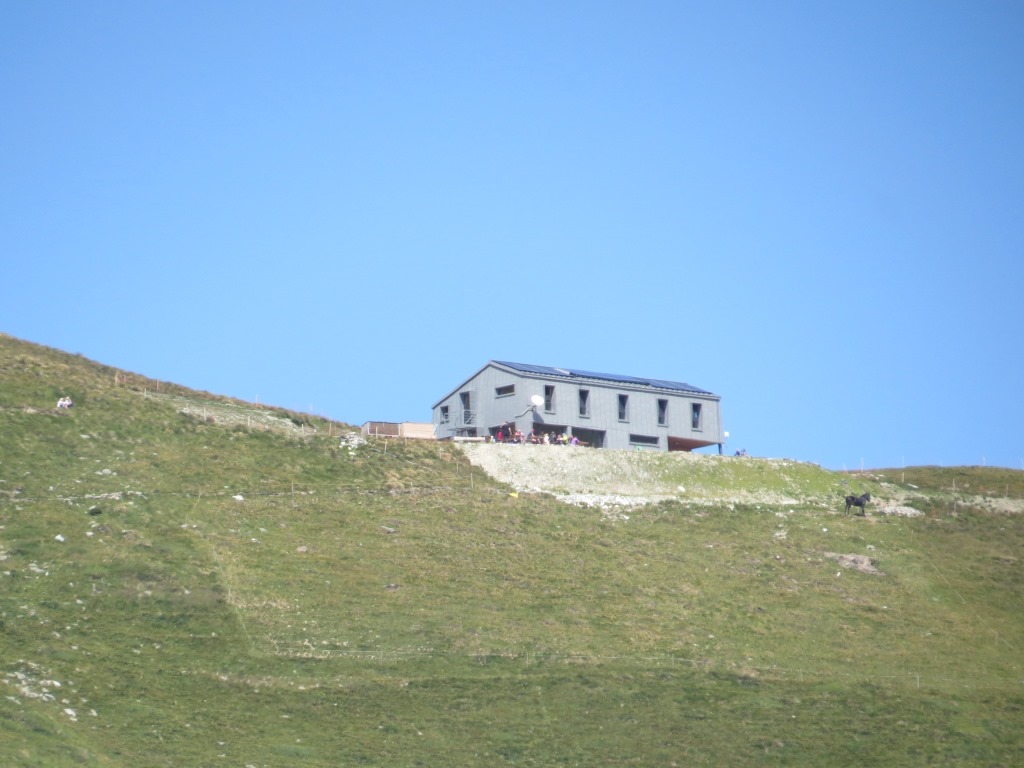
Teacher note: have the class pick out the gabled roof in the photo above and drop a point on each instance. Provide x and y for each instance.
(573, 373)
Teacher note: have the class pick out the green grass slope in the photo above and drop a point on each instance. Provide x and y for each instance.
(187, 580)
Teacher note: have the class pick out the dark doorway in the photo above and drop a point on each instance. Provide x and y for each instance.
(594, 438)
(540, 428)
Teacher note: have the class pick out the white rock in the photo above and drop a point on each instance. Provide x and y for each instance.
(59, 537)
(238, 497)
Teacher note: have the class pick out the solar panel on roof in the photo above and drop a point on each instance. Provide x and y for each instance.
(526, 368)
(549, 371)
(606, 376)
(677, 385)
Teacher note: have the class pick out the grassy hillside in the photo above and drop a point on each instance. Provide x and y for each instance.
(187, 580)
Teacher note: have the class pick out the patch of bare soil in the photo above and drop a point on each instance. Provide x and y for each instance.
(1002, 506)
(898, 510)
(611, 480)
(590, 477)
(232, 414)
(617, 481)
(861, 563)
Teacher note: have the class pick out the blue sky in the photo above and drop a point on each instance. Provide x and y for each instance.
(812, 209)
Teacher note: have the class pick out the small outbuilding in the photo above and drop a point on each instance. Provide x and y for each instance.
(414, 430)
(599, 409)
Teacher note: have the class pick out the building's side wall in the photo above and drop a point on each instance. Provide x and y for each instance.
(410, 429)
(416, 430)
(380, 428)
(639, 427)
(492, 405)
(487, 410)
(447, 418)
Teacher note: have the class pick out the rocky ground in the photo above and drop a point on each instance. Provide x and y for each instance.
(238, 414)
(605, 478)
(618, 480)
(576, 475)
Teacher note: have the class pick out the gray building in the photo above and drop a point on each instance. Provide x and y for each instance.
(602, 410)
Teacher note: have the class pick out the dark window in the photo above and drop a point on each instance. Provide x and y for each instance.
(508, 389)
(643, 440)
(584, 402)
(663, 413)
(623, 407)
(549, 399)
(444, 414)
(695, 411)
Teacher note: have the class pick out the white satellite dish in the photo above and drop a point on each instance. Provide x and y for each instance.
(537, 400)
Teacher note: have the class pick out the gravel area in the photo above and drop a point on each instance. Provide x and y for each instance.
(608, 479)
(616, 481)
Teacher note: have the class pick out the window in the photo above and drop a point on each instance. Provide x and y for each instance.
(662, 413)
(468, 416)
(643, 441)
(508, 389)
(623, 407)
(444, 414)
(584, 402)
(695, 415)
(549, 399)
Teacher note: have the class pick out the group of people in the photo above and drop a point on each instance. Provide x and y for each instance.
(509, 435)
(64, 402)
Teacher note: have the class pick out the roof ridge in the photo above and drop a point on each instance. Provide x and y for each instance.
(546, 370)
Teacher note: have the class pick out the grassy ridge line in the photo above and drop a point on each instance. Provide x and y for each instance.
(169, 620)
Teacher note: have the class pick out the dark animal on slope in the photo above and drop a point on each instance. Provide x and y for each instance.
(857, 501)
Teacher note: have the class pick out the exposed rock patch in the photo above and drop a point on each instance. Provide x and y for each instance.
(614, 480)
(898, 510)
(861, 563)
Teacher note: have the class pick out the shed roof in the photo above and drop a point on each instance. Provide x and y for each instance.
(574, 373)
